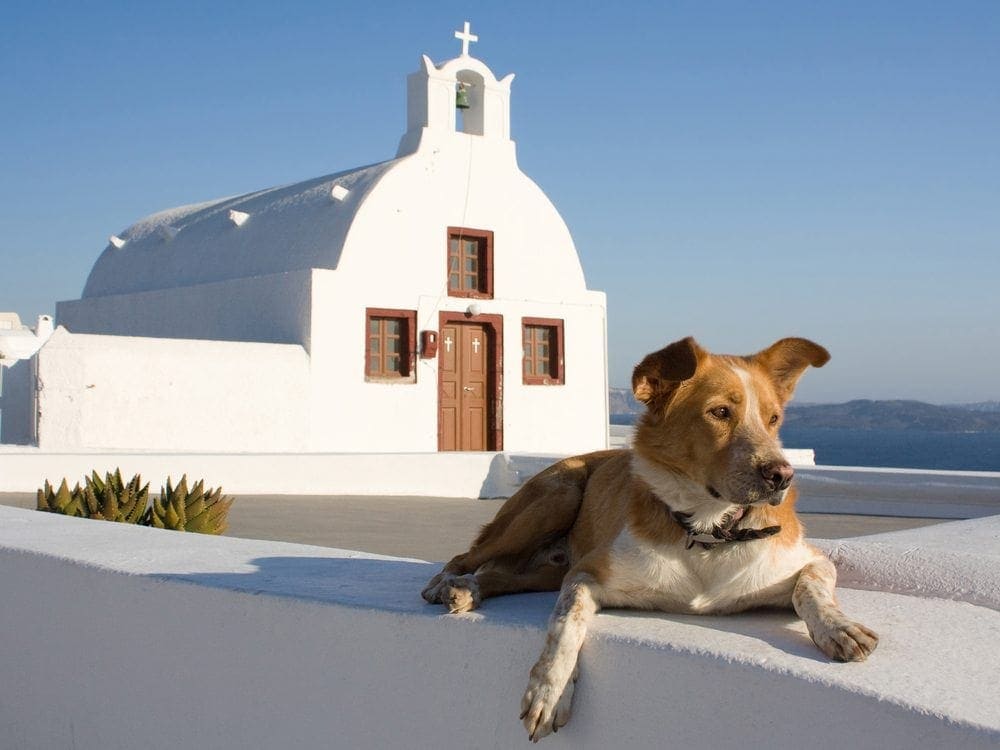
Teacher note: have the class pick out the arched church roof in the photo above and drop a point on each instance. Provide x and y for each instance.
(289, 228)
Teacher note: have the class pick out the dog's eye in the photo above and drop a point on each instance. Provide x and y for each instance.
(774, 419)
(721, 412)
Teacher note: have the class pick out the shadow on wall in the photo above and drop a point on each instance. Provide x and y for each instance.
(387, 585)
(395, 586)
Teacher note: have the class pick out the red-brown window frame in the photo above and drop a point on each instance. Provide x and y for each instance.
(558, 325)
(486, 269)
(409, 345)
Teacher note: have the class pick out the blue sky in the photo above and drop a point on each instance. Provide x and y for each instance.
(736, 171)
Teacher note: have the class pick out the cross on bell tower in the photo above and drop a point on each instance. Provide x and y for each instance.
(432, 101)
(466, 37)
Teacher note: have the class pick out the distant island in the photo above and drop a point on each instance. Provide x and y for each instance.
(861, 414)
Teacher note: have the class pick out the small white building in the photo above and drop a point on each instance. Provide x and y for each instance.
(431, 302)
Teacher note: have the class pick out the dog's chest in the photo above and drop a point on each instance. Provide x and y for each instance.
(670, 578)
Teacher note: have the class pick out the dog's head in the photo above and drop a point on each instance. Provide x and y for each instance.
(714, 419)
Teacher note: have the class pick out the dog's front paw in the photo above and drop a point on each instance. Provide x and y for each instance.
(545, 708)
(843, 640)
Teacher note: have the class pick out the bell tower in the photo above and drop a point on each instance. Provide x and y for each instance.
(457, 99)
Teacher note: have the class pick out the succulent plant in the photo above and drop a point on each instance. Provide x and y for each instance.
(196, 510)
(62, 500)
(109, 499)
(112, 499)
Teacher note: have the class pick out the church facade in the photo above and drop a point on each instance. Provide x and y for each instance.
(431, 302)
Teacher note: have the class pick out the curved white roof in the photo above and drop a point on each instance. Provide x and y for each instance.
(288, 228)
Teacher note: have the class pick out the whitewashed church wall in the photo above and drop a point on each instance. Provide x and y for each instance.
(17, 405)
(352, 415)
(272, 308)
(571, 417)
(105, 392)
(399, 233)
(395, 257)
(349, 414)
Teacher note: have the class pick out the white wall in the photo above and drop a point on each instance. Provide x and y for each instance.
(390, 417)
(170, 394)
(125, 637)
(272, 308)
(395, 257)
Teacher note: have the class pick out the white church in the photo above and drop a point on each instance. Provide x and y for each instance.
(432, 302)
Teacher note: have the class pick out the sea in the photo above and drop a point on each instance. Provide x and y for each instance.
(903, 449)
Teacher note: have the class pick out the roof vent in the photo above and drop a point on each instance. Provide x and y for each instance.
(167, 232)
(117, 242)
(339, 192)
(238, 218)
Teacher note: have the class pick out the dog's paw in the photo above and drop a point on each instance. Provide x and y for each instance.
(545, 709)
(461, 594)
(457, 593)
(843, 640)
(432, 591)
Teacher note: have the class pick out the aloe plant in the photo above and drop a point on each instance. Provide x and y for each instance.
(198, 510)
(62, 500)
(112, 499)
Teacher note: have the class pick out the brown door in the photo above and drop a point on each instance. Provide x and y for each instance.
(464, 387)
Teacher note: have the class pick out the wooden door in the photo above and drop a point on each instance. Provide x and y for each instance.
(464, 387)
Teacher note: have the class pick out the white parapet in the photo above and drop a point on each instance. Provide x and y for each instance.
(121, 636)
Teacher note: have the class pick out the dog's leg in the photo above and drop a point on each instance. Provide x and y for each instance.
(814, 601)
(544, 509)
(546, 703)
(463, 593)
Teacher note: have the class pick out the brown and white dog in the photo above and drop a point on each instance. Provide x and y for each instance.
(697, 517)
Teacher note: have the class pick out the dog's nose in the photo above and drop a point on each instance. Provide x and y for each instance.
(777, 474)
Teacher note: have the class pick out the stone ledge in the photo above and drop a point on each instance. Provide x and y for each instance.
(118, 636)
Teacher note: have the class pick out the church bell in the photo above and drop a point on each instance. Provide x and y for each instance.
(462, 96)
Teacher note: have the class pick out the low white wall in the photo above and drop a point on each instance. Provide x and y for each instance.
(898, 492)
(959, 560)
(434, 474)
(821, 489)
(168, 394)
(125, 637)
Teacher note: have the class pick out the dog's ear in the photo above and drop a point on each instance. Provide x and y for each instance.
(659, 373)
(787, 359)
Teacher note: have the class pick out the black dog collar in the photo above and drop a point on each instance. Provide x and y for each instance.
(722, 533)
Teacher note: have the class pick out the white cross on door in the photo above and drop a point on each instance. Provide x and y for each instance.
(447, 344)
(475, 345)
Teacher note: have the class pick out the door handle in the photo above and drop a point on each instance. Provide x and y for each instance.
(468, 388)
